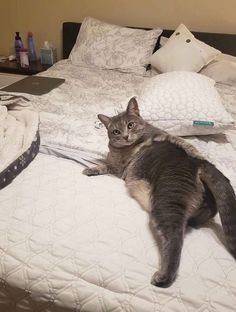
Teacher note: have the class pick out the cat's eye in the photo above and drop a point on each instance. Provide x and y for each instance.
(131, 125)
(116, 132)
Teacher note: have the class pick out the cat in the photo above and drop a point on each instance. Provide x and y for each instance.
(169, 179)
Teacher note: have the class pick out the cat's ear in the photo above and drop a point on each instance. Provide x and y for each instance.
(132, 107)
(104, 119)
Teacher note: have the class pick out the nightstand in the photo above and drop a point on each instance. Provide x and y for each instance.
(11, 67)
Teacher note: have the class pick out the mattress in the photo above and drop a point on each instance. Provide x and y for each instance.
(82, 244)
(69, 242)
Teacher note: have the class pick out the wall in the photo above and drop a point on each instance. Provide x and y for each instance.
(44, 18)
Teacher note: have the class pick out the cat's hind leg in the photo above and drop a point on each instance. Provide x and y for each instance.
(169, 233)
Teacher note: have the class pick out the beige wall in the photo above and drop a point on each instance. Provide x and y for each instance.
(44, 17)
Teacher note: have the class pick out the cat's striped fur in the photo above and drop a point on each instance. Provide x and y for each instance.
(171, 180)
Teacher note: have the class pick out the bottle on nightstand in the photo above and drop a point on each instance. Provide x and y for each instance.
(18, 46)
(31, 48)
(48, 54)
(24, 59)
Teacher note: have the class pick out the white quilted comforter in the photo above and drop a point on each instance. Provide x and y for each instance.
(73, 243)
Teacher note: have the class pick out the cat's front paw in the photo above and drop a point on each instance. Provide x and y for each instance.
(161, 280)
(91, 171)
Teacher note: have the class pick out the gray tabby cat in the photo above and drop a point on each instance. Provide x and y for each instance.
(168, 177)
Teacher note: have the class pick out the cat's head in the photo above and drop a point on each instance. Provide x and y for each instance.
(126, 128)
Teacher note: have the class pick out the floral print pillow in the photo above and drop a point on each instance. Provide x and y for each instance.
(108, 46)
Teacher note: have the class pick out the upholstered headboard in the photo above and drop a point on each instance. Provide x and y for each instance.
(226, 43)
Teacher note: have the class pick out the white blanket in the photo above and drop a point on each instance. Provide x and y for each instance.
(18, 127)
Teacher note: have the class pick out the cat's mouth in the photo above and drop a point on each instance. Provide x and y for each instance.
(124, 143)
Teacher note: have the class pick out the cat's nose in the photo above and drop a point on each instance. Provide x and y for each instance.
(126, 137)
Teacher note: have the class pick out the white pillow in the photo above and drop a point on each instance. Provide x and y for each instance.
(183, 103)
(110, 46)
(183, 52)
(226, 57)
(221, 71)
(163, 41)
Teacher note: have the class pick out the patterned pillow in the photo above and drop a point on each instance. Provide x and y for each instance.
(182, 52)
(183, 103)
(110, 46)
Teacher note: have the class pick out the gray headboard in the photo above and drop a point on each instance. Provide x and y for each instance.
(226, 43)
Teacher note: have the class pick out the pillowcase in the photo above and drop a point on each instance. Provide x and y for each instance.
(163, 41)
(183, 103)
(226, 57)
(183, 52)
(221, 71)
(110, 46)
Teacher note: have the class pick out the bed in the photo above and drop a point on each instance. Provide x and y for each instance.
(73, 243)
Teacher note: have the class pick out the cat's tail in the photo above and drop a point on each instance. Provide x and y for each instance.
(225, 199)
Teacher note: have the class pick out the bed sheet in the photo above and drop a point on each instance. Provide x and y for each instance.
(68, 114)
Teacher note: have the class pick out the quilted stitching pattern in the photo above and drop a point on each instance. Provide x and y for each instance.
(73, 243)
